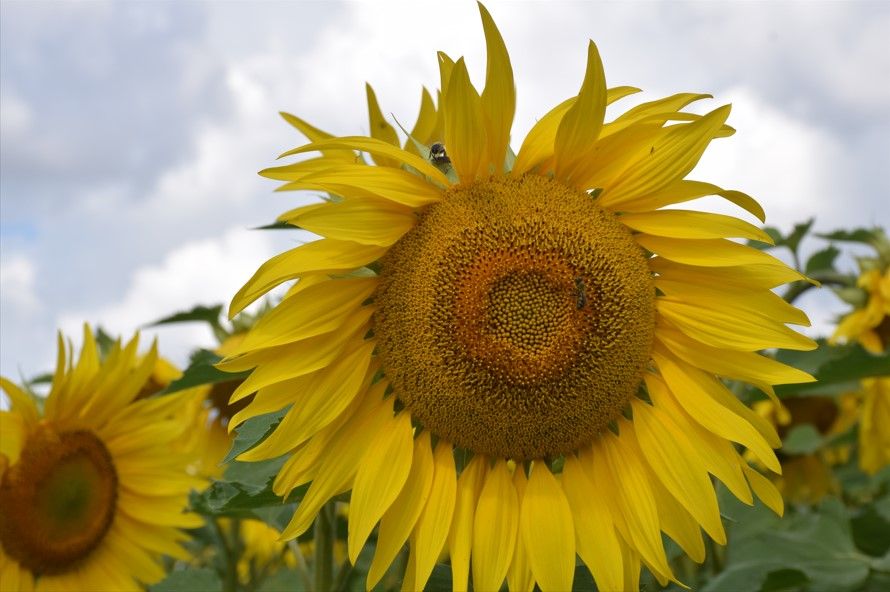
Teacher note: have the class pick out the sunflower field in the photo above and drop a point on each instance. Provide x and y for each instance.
(524, 363)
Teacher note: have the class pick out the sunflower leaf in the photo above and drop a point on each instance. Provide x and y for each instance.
(253, 431)
(819, 545)
(802, 439)
(836, 368)
(822, 260)
(189, 579)
(207, 314)
(202, 371)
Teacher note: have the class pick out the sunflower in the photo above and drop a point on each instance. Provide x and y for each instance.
(807, 478)
(517, 359)
(93, 486)
(870, 325)
(874, 438)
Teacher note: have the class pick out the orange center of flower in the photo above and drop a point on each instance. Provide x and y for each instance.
(58, 500)
(515, 319)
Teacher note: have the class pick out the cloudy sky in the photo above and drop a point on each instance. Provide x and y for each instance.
(131, 133)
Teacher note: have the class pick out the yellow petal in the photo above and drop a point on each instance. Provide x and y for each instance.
(746, 366)
(494, 531)
(716, 453)
(580, 126)
(364, 221)
(706, 252)
(460, 538)
(297, 170)
(624, 478)
(673, 460)
(321, 255)
(720, 329)
(380, 128)
(747, 278)
(545, 525)
(313, 134)
(20, 402)
(276, 364)
(317, 401)
(717, 297)
(670, 158)
(692, 389)
(650, 111)
(425, 125)
(677, 522)
(337, 471)
(376, 148)
(538, 143)
(499, 95)
(315, 310)
(434, 523)
(356, 180)
(381, 475)
(682, 191)
(465, 125)
(519, 574)
(398, 521)
(537, 147)
(764, 489)
(690, 224)
(595, 536)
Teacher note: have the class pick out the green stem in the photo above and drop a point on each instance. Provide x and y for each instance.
(325, 536)
(230, 559)
(833, 278)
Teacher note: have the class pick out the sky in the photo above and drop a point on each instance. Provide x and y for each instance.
(131, 133)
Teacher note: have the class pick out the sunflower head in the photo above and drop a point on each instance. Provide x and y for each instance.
(91, 473)
(870, 323)
(517, 358)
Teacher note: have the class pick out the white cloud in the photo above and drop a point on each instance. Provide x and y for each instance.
(207, 272)
(15, 115)
(790, 166)
(17, 274)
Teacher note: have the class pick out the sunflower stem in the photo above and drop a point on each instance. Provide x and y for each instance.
(325, 536)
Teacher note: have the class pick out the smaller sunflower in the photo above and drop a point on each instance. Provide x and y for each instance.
(874, 437)
(869, 325)
(807, 478)
(92, 481)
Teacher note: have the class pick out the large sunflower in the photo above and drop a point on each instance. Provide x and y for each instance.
(517, 359)
(93, 485)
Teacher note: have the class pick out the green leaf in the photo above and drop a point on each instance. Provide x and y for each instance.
(866, 236)
(253, 431)
(202, 371)
(871, 528)
(817, 544)
(206, 314)
(783, 580)
(283, 580)
(802, 439)
(104, 341)
(202, 579)
(247, 492)
(822, 260)
(276, 226)
(836, 368)
(792, 241)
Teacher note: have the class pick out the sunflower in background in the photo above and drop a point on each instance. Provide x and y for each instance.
(514, 359)
(874, 426)
(808, 478)
(869, 322)
(94, 486)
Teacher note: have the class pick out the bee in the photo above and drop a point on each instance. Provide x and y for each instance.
(580, 292)
(438, 156)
